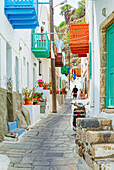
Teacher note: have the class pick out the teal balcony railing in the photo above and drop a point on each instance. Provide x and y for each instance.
(40, 45)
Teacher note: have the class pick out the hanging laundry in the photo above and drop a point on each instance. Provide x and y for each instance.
(52, 53)
(59, 43)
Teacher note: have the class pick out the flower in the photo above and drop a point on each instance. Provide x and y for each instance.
(37, 95)
(45, 84)
(63, 90)
(40, 81)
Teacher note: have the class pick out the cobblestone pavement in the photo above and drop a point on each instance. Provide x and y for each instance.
(49, 145)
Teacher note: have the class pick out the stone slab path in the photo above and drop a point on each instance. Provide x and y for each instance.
(49, 145)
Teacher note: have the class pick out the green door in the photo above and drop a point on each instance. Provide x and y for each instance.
(110, 68)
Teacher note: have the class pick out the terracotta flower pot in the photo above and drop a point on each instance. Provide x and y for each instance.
(38, 98)
(45, 88)
(40, 85)
(57, 92)
(83, 96)
(28, 102)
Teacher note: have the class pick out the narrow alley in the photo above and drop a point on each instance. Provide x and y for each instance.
(49, 145)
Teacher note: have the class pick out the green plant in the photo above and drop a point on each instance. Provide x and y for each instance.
(81, 9)
(68, 36)
(62, 24)
(40, 81)
(37, 95)
(27, 98)
(27, 94)
(65, 10)
(46, 84)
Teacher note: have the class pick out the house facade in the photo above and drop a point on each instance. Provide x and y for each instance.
(100, 16)
(18, 66)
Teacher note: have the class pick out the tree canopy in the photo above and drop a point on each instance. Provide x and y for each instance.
(65, 10)
(81, 9)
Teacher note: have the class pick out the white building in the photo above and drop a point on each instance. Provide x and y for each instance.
(100, 16)
(17, 62)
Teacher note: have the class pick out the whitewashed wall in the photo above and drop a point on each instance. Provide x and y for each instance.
(97, 19)
(20, 43)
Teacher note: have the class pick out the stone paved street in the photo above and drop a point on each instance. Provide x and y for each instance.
(49, 145)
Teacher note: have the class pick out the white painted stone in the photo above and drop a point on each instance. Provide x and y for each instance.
(109, 166)
(102, 150)
(4, 162)
(34, 111)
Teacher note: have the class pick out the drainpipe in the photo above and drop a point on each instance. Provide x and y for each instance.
(92, 87)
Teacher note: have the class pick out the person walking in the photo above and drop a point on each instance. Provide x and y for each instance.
(74, 91)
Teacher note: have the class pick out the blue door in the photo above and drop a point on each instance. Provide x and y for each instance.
(110, 68)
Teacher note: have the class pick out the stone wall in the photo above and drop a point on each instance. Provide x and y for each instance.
(95, 141)
(3, 113)
(103, 60)
(15, 109)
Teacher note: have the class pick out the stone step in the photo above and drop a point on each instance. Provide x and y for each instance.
(104, 164)
(101, 151)
(94, 123)
(18, 131)
(97, 137)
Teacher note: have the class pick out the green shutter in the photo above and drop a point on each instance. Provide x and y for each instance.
(90, 64)
(110, 68)
(60, 82)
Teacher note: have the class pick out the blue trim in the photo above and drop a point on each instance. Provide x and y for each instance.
(12, 126)
(44, 2)
(22, 14)
(20, 132)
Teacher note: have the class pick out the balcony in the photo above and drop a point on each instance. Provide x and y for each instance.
(40, 45)
(59, 60)
(78, 72)
(22, 14)
(65, 69)
(79, 35)
(82, 55)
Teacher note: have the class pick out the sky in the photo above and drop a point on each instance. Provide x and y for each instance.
(57, 17)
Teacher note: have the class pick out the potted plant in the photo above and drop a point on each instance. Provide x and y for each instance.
(82, 94)
(57, 92)
(63, 91)
(27, 96)
(40, 82)
(50, 87)
(50, 91)
(35, 102)
(46, 86)
(37, 96)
